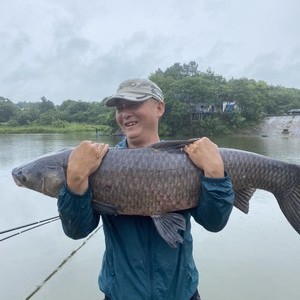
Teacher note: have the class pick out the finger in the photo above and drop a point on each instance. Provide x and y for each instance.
(96, 145)
(187, 149)
(191, 147)
(103, 148)
(86, 143)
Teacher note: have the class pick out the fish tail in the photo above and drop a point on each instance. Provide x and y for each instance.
(289, 202)
(168, 225)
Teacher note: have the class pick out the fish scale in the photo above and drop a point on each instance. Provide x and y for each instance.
(152, 182)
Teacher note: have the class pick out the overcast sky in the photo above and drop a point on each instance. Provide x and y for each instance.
(82, 49)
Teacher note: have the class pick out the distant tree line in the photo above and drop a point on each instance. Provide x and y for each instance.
(194, 104)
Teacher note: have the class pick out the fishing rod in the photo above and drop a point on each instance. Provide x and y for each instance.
(37, 224)
(30, 224)
(66, 260)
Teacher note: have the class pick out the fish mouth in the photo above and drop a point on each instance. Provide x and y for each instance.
(17, 181)
(16, 177)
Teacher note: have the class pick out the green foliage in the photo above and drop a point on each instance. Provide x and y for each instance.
(210, 126)
(45, 105)
(194, 106)
(7, 110)
(58, 127)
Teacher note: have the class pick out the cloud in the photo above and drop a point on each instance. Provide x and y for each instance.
(66, 49)
(276, 69)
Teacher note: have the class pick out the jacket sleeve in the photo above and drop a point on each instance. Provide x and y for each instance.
(76, 213)
(215, 203)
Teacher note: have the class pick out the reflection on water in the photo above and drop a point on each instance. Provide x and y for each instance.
(255, 257)
(251, 143)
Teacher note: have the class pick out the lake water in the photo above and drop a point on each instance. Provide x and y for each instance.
(256, 256)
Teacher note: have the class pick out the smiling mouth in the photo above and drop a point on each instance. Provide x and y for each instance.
(129, 124)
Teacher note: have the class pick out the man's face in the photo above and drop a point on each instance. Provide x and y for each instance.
(139, 119)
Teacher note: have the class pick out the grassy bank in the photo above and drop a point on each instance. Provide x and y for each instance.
(107, 130)
(65, 128)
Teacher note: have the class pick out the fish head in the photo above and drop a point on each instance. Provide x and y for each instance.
(45, 175)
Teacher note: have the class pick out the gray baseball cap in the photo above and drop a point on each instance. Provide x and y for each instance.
(136, 90)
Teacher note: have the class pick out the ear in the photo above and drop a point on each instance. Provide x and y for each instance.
(160, 108)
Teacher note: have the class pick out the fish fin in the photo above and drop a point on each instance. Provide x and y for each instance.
(172, 145)
(168, 225)
(242, 197)
(104, 208)
(290, 206)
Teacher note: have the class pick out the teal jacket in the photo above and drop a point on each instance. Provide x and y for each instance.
(138, 264)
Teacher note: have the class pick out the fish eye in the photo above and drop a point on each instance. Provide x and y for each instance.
(51, 167)
(24, 178)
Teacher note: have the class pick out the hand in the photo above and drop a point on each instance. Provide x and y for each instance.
(206, 156)
(83, 161)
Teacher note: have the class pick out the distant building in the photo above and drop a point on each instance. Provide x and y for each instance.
(294, 111)
(199, 107)
(199, 110)
(229, 106)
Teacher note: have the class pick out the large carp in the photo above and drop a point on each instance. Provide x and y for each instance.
(159, 180)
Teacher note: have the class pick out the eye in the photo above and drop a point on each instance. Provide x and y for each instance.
(128, 105)
(51, 167)
(24, 178)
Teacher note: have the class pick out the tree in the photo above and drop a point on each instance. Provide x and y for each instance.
(178, 71)
(45, 105)
(27, 116)
(7, 109)
(249, 97)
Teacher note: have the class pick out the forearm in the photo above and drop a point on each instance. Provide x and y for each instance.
(76, 213)
(215, 203)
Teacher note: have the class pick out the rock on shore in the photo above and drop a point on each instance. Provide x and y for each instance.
(279, 126)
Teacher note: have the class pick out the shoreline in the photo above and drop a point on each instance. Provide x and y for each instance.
(284, 126)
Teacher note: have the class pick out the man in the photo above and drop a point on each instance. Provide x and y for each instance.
(138, 264)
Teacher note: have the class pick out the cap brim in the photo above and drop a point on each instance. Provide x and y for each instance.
(113, 100)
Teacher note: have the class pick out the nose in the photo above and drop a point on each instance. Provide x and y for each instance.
(125, 112)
